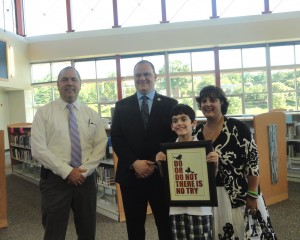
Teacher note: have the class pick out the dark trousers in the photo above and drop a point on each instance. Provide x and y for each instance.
(135, 201)
(58, 197)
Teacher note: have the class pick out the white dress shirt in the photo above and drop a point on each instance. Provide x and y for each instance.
(50, 139)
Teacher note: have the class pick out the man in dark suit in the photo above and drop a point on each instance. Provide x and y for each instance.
(136, 139)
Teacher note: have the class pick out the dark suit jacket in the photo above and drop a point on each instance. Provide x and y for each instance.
(131, 141)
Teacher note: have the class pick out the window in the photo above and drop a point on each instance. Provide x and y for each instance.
(45, 17)
(86, 69)
(106, 68)
(137, 13)
(43, 94)
(229, 8)
(254, 57)
(297, 53)
(283, 88)
(230, 59)
(92, 14)
(246, 78)
(57, 67)
(182, 10)
(127, 65)
(282, 55)
(203, 61)
(284, 5)
(180, 62)
(8, 22)
(41, 73)
(107, 86)
(283, 76)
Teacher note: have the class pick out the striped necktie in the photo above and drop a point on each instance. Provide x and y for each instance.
(75, 138)
(145, 110)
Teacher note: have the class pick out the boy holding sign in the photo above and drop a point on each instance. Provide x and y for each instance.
(188, 222)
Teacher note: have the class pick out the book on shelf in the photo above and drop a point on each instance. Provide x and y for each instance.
(21, 140)
(105, 175)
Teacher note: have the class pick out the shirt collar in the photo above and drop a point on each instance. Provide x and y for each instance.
(194, 139)
(150, 95)
(64, 104)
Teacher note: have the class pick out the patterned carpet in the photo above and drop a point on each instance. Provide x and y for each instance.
(23, 203)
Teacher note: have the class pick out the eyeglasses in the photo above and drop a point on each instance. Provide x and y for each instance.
(145, 74)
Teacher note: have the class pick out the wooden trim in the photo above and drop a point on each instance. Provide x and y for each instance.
(69, 16)
(19, 125)
(20, 24)
(3, 206)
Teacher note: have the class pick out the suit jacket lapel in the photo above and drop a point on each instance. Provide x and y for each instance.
(155, 107)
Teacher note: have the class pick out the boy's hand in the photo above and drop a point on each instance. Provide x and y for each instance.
(160, 157)
(213, 157)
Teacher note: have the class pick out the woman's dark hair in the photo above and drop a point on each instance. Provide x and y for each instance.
(183, 109)
(211, 91)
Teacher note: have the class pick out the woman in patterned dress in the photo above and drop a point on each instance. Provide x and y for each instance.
(238, 172)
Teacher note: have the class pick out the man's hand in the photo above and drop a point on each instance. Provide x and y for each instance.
(75, 177)
(143, 168)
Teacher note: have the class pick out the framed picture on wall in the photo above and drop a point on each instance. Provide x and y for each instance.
(189, 180)
(3, 60)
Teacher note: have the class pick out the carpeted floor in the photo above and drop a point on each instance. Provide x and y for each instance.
(24, 218)
(23, 203)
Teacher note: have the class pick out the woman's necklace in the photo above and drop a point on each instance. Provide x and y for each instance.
(212, 130)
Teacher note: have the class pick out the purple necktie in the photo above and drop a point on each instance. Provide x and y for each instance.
(75, 138)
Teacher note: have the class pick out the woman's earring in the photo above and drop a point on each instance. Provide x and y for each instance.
(193, 130)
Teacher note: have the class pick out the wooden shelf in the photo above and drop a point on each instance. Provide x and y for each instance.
(294, 175)
(3, 206)
(293, 147)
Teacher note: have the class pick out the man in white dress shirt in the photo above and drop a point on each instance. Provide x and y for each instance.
(64, 187)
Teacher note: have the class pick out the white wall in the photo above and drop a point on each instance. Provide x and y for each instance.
(165, 37)
(12, 110)
(17, 112)
(21, 80)
(12, 89)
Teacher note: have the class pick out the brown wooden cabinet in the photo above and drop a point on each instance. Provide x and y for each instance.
(3, 206)
(273, 192)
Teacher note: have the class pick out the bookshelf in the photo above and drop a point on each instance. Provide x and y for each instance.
(109, 201)
(22, 164)
(3, 206)
(293, 145)
(107, 195)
